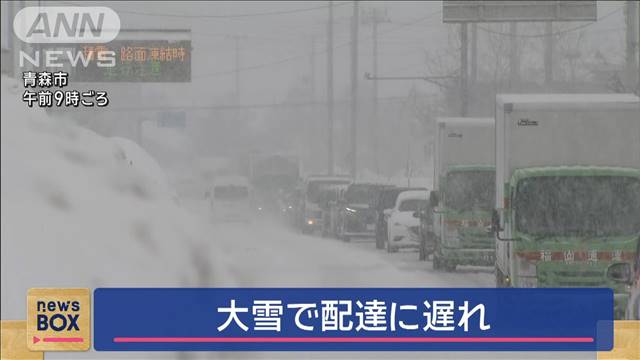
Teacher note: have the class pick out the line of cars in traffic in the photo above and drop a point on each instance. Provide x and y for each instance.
(547, 193)
(448, 223)
(335, 206)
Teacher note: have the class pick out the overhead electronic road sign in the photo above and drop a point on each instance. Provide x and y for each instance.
(140, 56)
(505, 11)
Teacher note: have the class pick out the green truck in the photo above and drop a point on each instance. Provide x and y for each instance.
(462, 199)
(567, 189)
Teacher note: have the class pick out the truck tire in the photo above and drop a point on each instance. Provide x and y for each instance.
(450, 266)
(341, 235)
(379, 241)
(437, 262)
(422, 251)
(390, 248)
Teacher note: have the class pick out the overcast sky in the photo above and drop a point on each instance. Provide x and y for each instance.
(269, 38)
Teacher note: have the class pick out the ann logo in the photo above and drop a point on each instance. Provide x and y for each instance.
(42, 25)
(65, 24)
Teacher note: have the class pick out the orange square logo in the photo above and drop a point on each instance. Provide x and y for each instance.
(626, 341)
(14, 342)
(59, 319)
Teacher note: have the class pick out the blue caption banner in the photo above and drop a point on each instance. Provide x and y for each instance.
(360, 319)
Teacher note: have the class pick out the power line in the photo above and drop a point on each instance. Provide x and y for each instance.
(243, 106)
(228, 16)
(253, 67)
(291, 58)
(561, 32)
(250, 36)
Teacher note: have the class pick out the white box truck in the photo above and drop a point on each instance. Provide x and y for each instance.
(567, 189)
(462, 199)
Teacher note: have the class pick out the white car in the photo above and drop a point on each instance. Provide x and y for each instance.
(402, 225)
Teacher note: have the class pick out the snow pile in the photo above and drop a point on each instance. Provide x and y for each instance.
(82, 210)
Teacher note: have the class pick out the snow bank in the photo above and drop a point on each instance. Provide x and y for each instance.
(82, 210)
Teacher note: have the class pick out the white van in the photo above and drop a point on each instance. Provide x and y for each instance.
(229, 200)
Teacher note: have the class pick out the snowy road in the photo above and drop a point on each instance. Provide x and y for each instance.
(267, 254)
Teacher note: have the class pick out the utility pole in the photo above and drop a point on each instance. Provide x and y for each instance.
(311, 118)
(354, 88)
(631, 21)
(514, 62)
(236, 39)
(474, 53)
(464, 84)
(237, 70)
(548, 54)
(374, 125)
(374, 16)
(312, 76)
(330, 90)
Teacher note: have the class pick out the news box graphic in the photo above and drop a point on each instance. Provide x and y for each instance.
(345, 319)
(59, 319)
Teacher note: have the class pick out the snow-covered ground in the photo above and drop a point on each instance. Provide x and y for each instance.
(82, 210)
(264, 254)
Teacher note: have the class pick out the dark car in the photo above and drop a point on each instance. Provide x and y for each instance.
(354, 214)
(386, 199)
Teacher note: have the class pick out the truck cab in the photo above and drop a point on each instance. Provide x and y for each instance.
(314, 202)
(462, 199)
(567, 189)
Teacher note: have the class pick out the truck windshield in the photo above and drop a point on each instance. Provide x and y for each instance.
(412, 205)
(468, 190)
(359, 194)
(230, 192)
(316, 188)
(578, 205)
